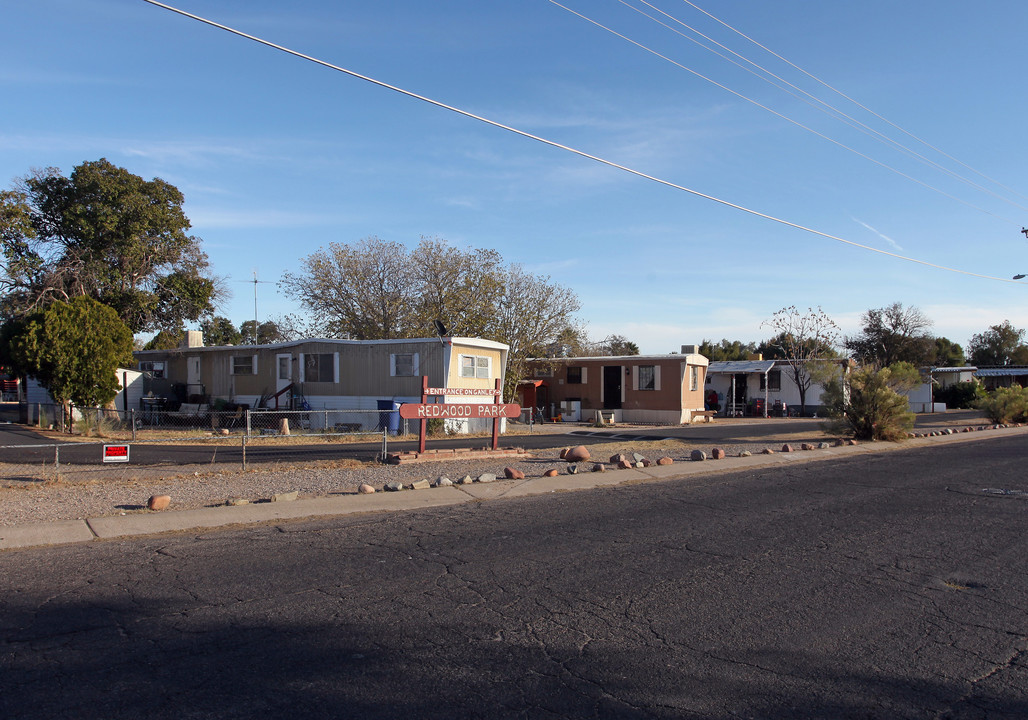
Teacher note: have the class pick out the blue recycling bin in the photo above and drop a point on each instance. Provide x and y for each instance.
(389, 421)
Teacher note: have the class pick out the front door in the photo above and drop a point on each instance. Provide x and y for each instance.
(612, 375)
(194, 382)
(283, 371)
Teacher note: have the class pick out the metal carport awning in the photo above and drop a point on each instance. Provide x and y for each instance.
(735, 367)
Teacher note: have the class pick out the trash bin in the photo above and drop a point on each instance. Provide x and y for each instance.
(389, 421)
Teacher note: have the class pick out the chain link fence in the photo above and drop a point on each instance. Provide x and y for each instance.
(192, 440)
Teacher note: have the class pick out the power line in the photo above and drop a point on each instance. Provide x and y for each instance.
(780, 115)
(560, 146)
(855, 102)
(810, 99)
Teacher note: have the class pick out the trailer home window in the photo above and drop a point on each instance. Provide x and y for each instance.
(318, 368)
(472, 366)
(647, 377)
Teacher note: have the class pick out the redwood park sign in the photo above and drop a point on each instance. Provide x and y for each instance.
(476, 411)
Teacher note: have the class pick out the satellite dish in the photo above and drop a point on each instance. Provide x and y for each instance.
(440, 329)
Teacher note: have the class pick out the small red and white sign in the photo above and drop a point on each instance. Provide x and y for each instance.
(477, 411)
(463, 392)
(116, 453)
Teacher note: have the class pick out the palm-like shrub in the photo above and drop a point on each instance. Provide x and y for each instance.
(868, 405)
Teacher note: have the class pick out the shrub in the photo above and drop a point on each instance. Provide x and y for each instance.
(960, 395)
(870, 406)
(1005, 405)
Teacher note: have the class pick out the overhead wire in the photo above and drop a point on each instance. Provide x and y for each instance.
(852, 100)
(781, 115)
(561, 146)
(810, 98)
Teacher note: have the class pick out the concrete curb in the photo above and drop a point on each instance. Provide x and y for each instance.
(111, 527)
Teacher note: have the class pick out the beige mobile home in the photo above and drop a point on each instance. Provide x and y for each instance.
(321, 374)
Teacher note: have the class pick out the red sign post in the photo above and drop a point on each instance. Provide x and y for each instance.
(425, 410)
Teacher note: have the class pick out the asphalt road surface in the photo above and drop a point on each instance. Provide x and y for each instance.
(877, 586)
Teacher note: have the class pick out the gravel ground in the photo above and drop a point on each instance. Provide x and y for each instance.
(113, 490)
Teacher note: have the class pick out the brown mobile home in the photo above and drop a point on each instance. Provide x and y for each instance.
(662, 389)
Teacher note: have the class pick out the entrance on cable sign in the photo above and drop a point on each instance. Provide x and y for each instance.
(612, 378)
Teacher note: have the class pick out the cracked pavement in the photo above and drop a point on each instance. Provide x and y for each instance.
(875, 586)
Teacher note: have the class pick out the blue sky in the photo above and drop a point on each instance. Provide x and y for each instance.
(278, 157)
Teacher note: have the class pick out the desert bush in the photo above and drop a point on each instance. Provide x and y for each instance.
(960, 395)
(1005, 405)
(870, 406)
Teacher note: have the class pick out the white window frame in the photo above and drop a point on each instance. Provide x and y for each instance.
(253, 365)
(481, 365)
(335, 367)
(415, 364)
(156, 368)
(656, 378)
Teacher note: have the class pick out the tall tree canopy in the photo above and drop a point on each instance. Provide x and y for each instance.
(107, 234)
(727, 350)
(893, 334)
(374, 289)
(1001, 344)
(72, 348)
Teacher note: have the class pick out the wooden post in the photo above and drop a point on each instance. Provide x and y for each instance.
(496, 421)
(424, 423)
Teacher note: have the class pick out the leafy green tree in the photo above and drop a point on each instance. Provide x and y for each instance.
(619, 345)
(802, 340)
(948, 353)
(267, 332)
(999, 345)
(166, 340)
(103, 233)
(871, 405)
(219, 330)
(72, 348)
(727, 350)
(893, 334)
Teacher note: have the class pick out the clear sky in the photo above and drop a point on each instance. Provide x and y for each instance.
(277, 157)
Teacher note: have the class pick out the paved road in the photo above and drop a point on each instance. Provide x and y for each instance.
(260, 450)
(879, 586)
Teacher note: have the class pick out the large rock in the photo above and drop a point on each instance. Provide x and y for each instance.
(486, 478)
(576, 454)
(443, 482)
(158, 502)
(717, 454)
(624, 464)
(513, 473)
(394, 486)
(787, 448)
(552, 472)
(615, 459)
(599, 467)
(421, 485)
(365, 489)
(698, 455)
(665, 460)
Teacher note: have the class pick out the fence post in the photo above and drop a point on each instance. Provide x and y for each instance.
(247, 422)
(132, 419)
(244, 448)
(385, 443)
(57, 462)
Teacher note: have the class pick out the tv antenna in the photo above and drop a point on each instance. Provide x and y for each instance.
(256, 282)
